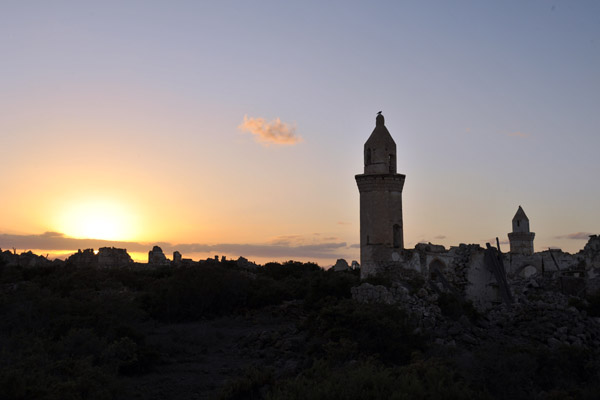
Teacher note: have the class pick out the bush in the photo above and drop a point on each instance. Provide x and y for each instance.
(192, 293)
(522, 372)
(454, 306)
(378, 330)
(593, 308)
(371, 380)
(249, 386)
(289, 269)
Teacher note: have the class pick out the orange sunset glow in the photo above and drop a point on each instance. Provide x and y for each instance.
(98, 220)
(231, 140)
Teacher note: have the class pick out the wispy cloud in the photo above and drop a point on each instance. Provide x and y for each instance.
(287, 240)
(273, 132)
(292, 246)
(520, 135)
(440, 237)
(576, 236)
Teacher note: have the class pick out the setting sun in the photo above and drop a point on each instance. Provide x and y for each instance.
(97, 220)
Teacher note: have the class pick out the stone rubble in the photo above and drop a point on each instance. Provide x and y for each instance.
(540, 316)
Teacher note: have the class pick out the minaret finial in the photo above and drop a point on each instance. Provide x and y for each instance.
(379, 120)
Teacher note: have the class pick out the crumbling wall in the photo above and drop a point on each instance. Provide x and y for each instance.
(460, 269)
(113, 257)
(590, 255)
(483, 289)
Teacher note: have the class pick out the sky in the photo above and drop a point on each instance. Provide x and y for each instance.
(236, 128)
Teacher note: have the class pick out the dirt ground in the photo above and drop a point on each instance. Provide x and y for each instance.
(198, 358)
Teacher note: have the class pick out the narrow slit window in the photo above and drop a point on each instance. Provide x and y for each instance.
(397, 235)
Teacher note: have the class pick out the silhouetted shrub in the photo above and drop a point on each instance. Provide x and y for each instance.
(371, 380)
(251, 385)
(593, 307)
(377, 330)
(10, 274)
(330, 285)
(379, 279)
(191, 293)
(454, 306)
(264, 291)
(61, 323)
(522, 372)
(288, 269)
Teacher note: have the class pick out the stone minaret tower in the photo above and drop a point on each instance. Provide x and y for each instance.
(521, 240)
(380, 187)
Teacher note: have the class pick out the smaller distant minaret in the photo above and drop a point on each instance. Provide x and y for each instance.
(521, 240)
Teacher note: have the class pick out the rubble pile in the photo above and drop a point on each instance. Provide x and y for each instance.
(26, 259)
(540, 316)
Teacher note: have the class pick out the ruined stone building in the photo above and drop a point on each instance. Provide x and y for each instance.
(380, 186)
(482, 275)
(157, 257)
(105, 257)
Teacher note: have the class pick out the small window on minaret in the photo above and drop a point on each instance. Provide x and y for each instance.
(392, 163)
(518, 223)
(368, 157)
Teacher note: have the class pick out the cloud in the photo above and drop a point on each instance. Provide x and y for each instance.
(439, 237)
(520, 135)
(576, 236)
(285, 246)
(52, 234)
(287, 240)
(274, 132)
(58, 241)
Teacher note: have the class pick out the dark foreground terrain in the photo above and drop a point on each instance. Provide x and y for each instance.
(286, 331)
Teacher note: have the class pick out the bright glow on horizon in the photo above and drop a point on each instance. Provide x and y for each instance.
(97, 220)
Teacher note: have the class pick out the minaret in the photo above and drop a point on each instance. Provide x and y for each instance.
(521, 240)
(380, 187)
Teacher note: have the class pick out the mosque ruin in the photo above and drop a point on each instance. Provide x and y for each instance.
(482, 275)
